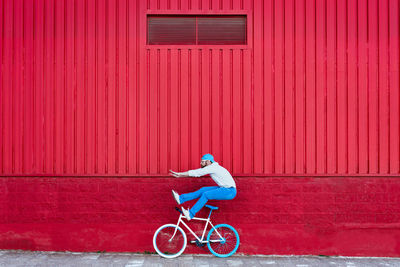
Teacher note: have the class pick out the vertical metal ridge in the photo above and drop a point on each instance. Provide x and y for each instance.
(201, 99)
(137, 86)
(315, 88)
(242, 110)
(13, 92)
(358, 100)
(293, 89)
(263, 87)
(189, 102)
(96, 97)
(252, 94)
(85, 93)
(33, 89)
(326, 87)
(148, 109)
(169, 108)
(388, 87)
(54, 89)
(273, 88)
(127, 89)
(368, 116)
(347, 86)
(23, 154)
(284, 86)
(44, 95)
(305, 87)
(65, 91)
(179, 108)
(158, 111)
(304, 166)
(106, 84)
(74, 145)
(231, 101)
(116, 133)
(211, 102)
(378, 94)
(221, 104)
(2, 90)
(336, 89)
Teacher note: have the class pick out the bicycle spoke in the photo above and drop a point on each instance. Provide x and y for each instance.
(169, 246)
(226, 246)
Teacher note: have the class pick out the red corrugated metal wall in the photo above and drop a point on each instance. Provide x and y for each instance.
(315, 92)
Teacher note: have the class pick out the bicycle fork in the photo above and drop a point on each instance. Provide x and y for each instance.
(176, 229)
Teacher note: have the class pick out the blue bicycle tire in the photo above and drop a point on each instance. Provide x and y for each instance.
(230, 246)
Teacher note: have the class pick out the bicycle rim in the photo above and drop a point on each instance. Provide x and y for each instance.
(226, 247)
(164, 246)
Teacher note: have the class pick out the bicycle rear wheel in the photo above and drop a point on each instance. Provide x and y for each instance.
(226, 246)
(167, 247)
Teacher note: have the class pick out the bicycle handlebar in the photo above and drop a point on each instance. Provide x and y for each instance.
(177, 209)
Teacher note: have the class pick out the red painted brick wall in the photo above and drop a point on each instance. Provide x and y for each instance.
(280, 215)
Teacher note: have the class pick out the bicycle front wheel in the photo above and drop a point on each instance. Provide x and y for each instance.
(167, 244)
(223, 240)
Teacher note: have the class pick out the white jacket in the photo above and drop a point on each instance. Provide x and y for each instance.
(218, 173)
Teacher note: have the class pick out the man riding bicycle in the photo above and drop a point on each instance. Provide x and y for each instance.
(225, 190)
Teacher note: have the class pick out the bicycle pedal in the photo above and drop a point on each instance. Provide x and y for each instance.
(199, 244)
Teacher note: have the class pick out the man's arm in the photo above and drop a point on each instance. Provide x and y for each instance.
(179, 174)
(201, 171)
(193, 173)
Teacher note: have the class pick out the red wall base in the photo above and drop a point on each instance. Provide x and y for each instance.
(319, 216)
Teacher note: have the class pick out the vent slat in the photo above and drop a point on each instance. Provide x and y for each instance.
(171, 30)
(227, 30)
(211, 30)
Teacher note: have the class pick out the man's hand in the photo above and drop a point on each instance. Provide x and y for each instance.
(178, 174)
(175, 174)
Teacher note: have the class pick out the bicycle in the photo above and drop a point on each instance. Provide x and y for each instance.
(170, 240)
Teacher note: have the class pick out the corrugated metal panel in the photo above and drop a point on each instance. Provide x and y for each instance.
(315, 91)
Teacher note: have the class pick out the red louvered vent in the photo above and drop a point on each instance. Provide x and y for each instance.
(164, 30)
(196, 30)
(222, 30)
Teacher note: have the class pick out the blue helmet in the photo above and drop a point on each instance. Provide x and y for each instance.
(208, 157)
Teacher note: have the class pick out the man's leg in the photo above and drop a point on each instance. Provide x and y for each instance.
(190, 196)
(220, 193)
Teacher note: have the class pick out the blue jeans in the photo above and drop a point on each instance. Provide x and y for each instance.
(207, 193)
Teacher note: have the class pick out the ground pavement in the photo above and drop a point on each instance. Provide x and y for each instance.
(14, 258)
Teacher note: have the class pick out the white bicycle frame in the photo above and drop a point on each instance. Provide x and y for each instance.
(208, 221)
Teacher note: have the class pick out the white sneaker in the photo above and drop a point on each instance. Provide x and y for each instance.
(186, 213)
(176, 196)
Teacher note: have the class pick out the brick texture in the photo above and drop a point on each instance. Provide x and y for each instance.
(330, 216)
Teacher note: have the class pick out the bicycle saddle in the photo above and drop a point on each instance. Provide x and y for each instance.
(211, 207)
